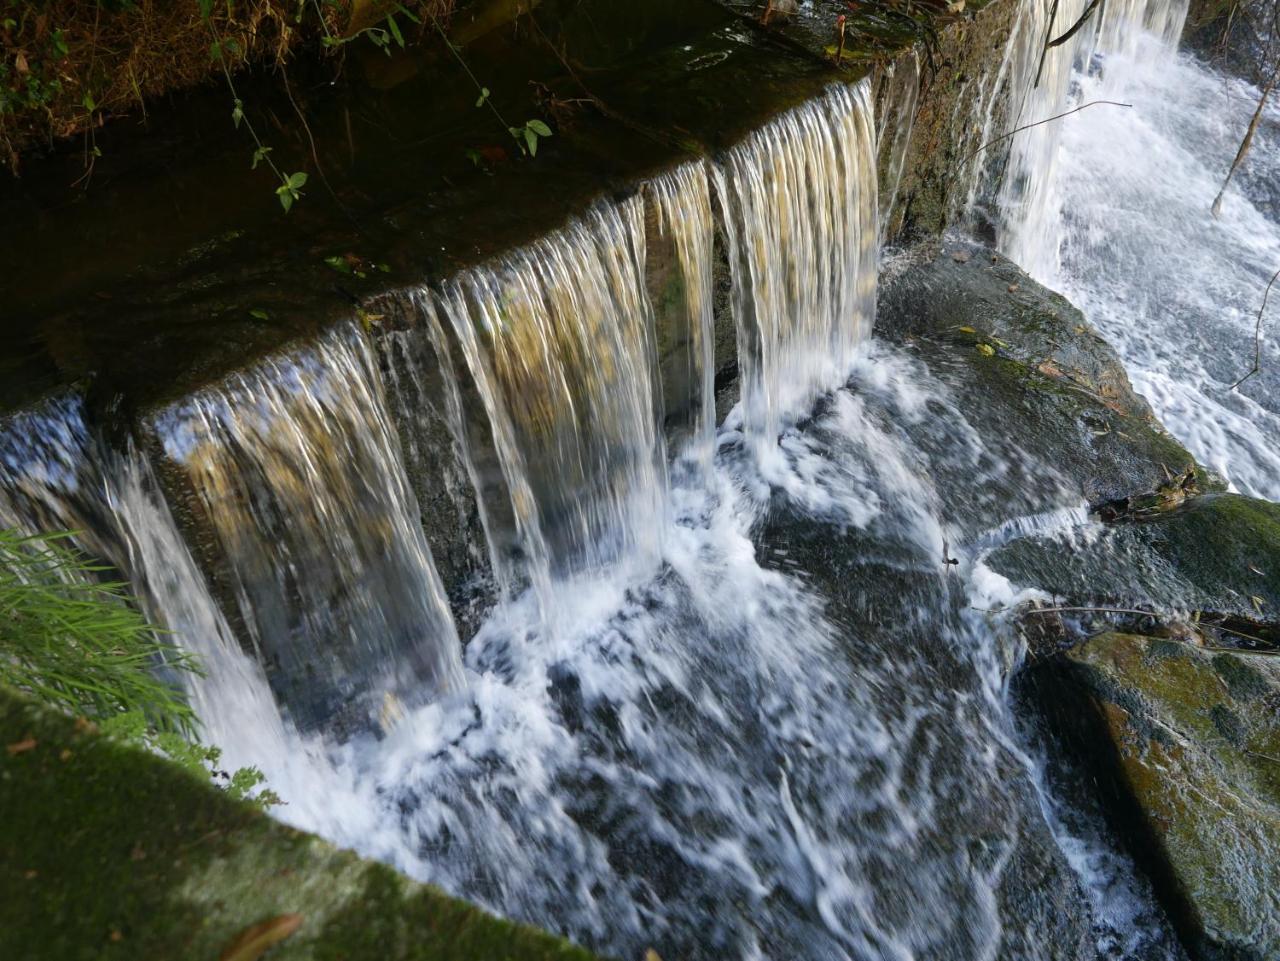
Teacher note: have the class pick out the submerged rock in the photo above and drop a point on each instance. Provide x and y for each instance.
(1186, 741)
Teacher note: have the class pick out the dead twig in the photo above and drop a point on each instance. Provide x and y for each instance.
(1075, 28)
(1028, 126)
(1069, 610)
(1257, 335)
(1247, 142)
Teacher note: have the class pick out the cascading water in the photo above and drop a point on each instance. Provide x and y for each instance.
(1127, 233)
(728, 741)
(798, 201)
(1042, 88)
(296, 471)
(747, 710)
(559, 341)
(680, 203)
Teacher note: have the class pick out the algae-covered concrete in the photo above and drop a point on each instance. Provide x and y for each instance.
(1187, 742)
(107, 851)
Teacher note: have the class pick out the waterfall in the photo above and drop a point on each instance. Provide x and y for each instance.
(295, 471)
(799, 206)
(1042, 87)
(1121, 223)
(558, 337)
(56, 475)
(680, 206)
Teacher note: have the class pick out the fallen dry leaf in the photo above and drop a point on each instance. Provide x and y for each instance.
(253, 941)
(20, 747)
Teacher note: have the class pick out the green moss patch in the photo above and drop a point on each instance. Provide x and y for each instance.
(108, 852)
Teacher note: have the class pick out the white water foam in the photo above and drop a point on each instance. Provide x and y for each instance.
(1131, 240)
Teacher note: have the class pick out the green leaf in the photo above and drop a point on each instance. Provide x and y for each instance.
(401, 8)
(531, 139)
(395, 30)
(259, 314)
(540, 128)
(237, 114)
(259, 155)
(206, 9)
(286, 197)
(338, 263)
(89, 103)
(484, 95)
(215, 51)
(96, 151)
(297, 181)
(233, 47)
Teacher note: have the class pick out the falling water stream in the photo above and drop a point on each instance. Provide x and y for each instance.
(1126, 232)
(729, 702)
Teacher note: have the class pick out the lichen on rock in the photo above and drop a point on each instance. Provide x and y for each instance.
(1190, 747)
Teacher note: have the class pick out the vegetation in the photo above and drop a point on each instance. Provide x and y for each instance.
(66, 65)
(75, 643)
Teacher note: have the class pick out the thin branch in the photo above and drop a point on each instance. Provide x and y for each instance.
(1075, 28)
(1028, 126)
(1247, 142)
(1089, 610)
(1053, 16)
(315, 155)
(1257, 335)
(1069, 610)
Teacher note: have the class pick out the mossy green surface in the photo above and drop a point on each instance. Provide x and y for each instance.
(1196, 738)
(107, 852)
(1218, 554)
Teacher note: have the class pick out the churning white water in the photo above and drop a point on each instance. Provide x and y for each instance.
(744, 711)
(1129, 237)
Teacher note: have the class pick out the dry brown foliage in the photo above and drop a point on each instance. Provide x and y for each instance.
(122, 53)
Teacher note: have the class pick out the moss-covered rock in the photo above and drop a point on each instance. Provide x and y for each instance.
(107, 851)
(1219, 554)
(1190, 750)
(1038, 376)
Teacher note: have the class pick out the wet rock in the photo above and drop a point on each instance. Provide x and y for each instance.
(1185, 741)
(1037, 376)
(1216, 560)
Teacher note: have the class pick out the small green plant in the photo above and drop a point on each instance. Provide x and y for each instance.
(74, 642)
(527, 136)
(243, 784)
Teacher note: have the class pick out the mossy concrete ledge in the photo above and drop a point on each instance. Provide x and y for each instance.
(107, 851)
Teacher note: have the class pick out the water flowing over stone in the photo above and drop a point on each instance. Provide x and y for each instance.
(1122, 225)
(295, 471)
(56, 474)
(1042, 88)
(680, 205)
(799, 205)
(558, 337)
